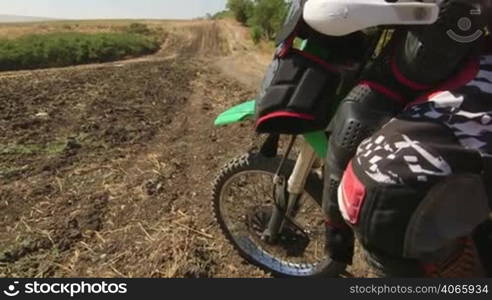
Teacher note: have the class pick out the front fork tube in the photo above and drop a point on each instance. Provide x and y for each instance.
(287, 202)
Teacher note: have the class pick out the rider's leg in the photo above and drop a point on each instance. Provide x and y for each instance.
(414, 196)
(414, 193)
(393, 80)
(363, 111)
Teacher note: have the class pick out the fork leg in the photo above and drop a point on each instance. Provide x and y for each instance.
(287, 197)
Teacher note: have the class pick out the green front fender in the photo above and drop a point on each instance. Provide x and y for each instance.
(318, 140)
(237, 114)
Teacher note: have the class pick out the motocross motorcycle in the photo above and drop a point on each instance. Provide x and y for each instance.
(268, 202)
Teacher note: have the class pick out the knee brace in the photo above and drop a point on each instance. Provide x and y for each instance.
(360, 114)
(363, 111)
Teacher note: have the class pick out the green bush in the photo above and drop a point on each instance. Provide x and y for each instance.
(223, 15)
(65, 49)
(265, 17)
(138, 28)
(256, 34)
(242, 9)
(269, 15)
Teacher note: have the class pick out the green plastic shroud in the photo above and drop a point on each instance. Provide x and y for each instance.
(318, 140)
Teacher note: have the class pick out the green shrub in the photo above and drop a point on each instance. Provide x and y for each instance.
(265, 17)
(242, 9)
(65, 49)
(256, 34)
(138, 28)
(269, 15)
(223, 15)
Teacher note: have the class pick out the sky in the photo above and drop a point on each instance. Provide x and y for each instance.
(111, 9)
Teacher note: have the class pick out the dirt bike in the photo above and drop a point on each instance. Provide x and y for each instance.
(268, 205)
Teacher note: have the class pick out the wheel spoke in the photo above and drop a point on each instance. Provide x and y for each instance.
(250, 193)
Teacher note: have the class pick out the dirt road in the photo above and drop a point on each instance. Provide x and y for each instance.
(105, 170)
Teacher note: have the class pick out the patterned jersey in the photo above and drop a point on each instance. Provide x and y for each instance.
(467, 110)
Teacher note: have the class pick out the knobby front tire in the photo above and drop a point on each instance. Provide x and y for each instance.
(245, 245)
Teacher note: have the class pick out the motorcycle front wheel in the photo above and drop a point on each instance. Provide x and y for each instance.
(243, 201)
